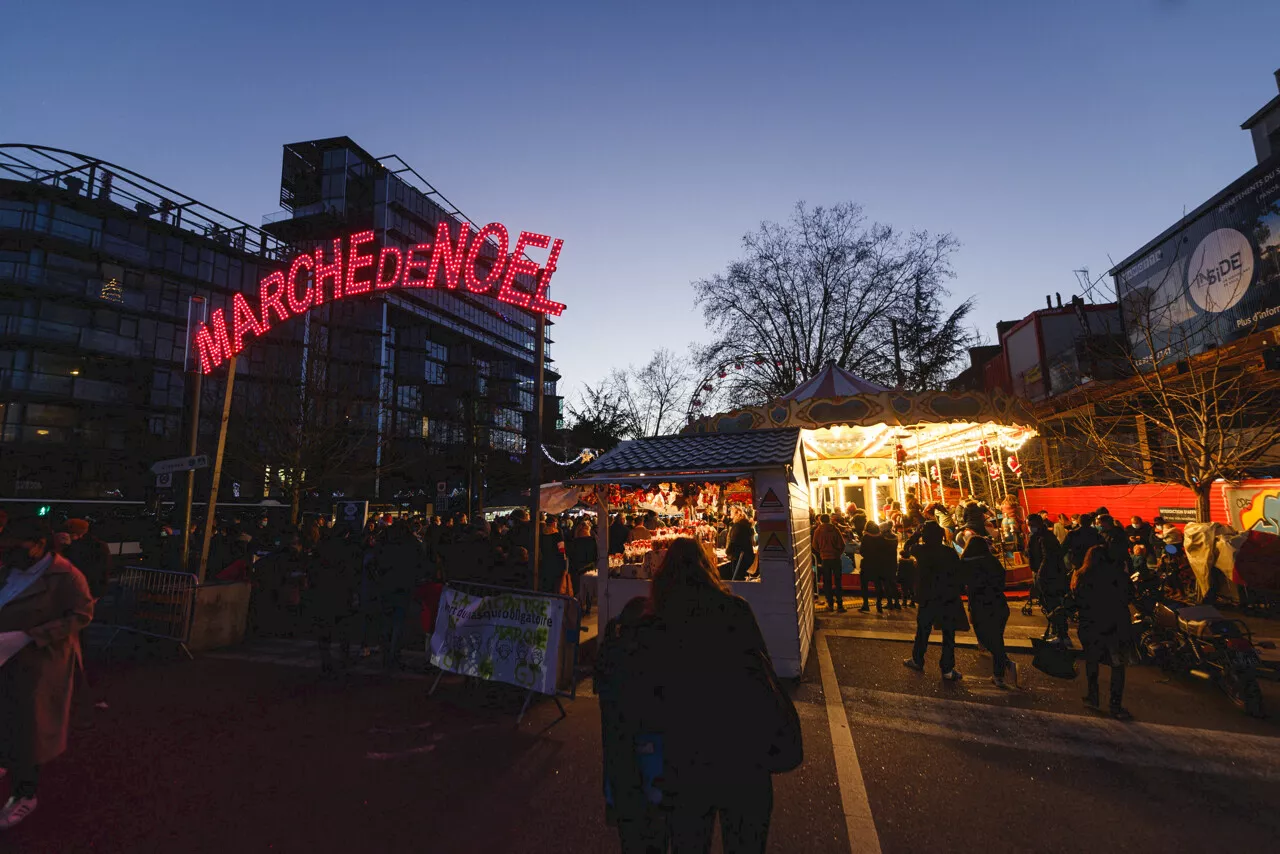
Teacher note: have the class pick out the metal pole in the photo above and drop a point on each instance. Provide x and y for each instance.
(535, 446)
(973, 496)
(193, 389)
(211, 510)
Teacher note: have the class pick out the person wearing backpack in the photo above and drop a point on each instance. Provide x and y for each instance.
(693, 719)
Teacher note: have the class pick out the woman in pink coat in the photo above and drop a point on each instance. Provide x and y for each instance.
(44, 603)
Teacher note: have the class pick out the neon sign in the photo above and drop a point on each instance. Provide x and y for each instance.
(352, 266)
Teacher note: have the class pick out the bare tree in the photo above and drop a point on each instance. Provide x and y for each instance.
(597, 418)
(310, 426)
(1198, 406)
(653, 398)
(824, 286)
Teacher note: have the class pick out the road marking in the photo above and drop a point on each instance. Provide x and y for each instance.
(402, 754)
(1178, 748)
(859, 822)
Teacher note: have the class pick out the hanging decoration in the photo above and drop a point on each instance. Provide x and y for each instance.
(586, 455)
(983, 451)
(994, 471)
(1014, 465)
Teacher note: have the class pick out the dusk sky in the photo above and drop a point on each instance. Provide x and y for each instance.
(651, 136)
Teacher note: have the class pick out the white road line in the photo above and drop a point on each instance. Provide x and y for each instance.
(1230, 754)
(859, 822)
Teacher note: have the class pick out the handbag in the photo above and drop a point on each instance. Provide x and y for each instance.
(1053, 659)
(782, 743)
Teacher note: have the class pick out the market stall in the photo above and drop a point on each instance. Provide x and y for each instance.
(690, 478)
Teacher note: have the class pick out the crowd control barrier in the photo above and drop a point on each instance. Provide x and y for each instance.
(505, 634)
(155, 603)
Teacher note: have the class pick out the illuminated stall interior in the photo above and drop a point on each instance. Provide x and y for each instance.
(867, 445)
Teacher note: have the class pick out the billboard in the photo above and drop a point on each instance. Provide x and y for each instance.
(1213, 278)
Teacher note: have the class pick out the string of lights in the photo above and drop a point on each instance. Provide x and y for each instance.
(586, 455)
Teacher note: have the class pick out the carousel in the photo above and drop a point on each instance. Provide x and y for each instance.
(867, 446)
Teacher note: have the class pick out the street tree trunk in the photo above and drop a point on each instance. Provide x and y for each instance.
(1204, 494)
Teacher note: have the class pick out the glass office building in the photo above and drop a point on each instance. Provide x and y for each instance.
(97, 267)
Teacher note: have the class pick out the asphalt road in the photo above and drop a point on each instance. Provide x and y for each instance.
(253, 751)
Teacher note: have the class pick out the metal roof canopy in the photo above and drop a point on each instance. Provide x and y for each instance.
(692, 457)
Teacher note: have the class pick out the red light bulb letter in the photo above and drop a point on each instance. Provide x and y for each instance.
(212, 345)
(357, 262)
(243, 323)
(518, 265)
(474, 284)
(446, 256)
(271, 298)
(299, 305)
(411, 264)
(540, 301)
(332, 270)
(380, 283)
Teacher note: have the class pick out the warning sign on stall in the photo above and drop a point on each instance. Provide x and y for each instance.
(502, 638)
(770, 502)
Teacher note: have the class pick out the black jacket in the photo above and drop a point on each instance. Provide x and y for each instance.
(618, 533)
(582, 553)
(879, 557)
(741, 543)
(1078, 543)
(1045, 553)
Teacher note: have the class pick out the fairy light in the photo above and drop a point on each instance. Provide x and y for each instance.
(357, 262)
(299, 304)
(243, 322)
(331, 271)
(497, 231)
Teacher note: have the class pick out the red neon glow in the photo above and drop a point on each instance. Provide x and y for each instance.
(357, 262)
(297, 305)
(243, 322)
(271, 297)
(380, 283)
(447, 256)
(331, 271)
(519, 264)
(451, 261)
(476, 285)
(411, 264)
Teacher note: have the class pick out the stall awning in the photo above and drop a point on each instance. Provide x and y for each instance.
(688, 457)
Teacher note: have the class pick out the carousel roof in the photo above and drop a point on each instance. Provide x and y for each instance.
(833, 381)
(714, 452)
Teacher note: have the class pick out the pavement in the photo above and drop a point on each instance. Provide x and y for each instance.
(250, 749)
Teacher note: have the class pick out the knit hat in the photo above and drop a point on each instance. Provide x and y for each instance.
(76, 527)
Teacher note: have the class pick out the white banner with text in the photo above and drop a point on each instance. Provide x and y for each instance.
(507, 637)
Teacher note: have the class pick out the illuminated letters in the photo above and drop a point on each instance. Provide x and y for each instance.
(479, 286)
(328, 271)
(380, 283)
(446, 257)
(451, 261)
(357, 262)
(296, 305)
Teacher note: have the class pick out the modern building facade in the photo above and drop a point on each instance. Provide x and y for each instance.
(382, 397)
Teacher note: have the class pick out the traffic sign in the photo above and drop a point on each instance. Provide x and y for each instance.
(199, 461)
(441, 487)
(164, 481)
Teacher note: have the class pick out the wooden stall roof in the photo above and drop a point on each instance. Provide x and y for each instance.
(685, 454)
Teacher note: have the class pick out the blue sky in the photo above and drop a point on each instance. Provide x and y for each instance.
(651, 136)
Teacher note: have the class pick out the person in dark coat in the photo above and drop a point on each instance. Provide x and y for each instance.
(1117, 541)
(938, 590)
(1080, 539)
(88, 554)
(828, 544)
(401, 567)
(690, 677)
(906, 576)
(619, 532)
(879, 559)
(988, 609)
(1045, 554)
(44, 596)
(1103, 590)
(582, 553)
(741, 545)
(554, 564)
(334, 580)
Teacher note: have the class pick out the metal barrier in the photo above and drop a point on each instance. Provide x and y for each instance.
(572, 631)
(155, 603)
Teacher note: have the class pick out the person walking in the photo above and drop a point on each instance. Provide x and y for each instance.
(88, 554)
(551, 544)
(1080, 539)
(988, 609)
(1045, 554)
(44, 597)
(938, 591)
(687, 687)
(1103, 590)
(829, 545)
(879, 559)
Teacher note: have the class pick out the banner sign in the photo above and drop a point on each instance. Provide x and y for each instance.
(1213, 278)
(509, 637)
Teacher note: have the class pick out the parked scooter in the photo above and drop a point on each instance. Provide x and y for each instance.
(1197, 639)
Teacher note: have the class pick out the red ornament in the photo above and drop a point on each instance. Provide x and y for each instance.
(724, 374)
(1014, 465)
(983, 450)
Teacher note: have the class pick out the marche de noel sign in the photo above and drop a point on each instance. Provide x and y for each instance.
(354, 266)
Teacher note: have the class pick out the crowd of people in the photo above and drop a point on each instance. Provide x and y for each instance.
(933, 558)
